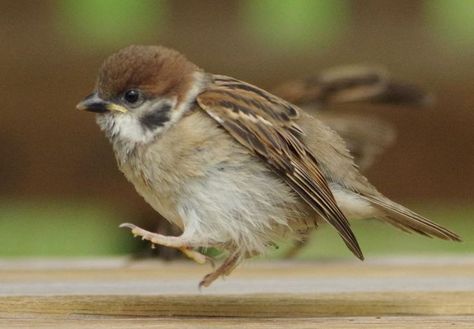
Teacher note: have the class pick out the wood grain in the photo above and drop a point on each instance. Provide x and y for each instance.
(113, 293)
(252, 306)
(400, 322)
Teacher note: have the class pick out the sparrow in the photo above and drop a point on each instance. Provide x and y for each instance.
(366, 137)
(234, 166)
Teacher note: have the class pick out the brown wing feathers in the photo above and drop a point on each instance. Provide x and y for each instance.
(264, 124)
(352, 84)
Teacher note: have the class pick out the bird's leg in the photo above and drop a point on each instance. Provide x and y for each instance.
(224, 269)
(196, 256)
(177, 242)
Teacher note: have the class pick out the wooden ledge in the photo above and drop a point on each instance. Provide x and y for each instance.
(247, 306)
(110, 291)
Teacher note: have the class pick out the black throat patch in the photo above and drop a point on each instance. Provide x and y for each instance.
(157, 117)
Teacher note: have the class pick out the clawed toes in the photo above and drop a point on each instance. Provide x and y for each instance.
(127, 225)
(205, 282)
(209, 279)
(134, 228)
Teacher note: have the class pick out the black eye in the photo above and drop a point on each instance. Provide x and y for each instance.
(132, 96)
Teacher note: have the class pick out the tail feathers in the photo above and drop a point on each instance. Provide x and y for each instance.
(409, 221)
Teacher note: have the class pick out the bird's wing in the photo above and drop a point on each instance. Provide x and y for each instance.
(352, 84)
(265, 124)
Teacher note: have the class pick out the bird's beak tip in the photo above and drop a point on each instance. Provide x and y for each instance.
(91, 103)
(81, 106)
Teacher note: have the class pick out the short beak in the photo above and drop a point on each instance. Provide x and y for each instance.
(93, 103)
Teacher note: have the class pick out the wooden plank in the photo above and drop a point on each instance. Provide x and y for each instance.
(116, 293)
(118, 277)
(399, 322)
(285, 306)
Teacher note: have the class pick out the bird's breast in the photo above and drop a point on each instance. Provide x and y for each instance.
(149, 180)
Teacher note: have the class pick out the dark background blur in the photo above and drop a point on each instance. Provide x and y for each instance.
(56, 164)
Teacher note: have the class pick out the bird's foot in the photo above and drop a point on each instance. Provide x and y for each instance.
(168, 241)
(223, 270)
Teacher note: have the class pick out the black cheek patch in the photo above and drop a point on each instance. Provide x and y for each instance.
(157, 117)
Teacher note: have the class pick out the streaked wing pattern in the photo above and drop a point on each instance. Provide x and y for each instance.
(265, 124)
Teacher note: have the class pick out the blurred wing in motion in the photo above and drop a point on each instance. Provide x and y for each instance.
(351, 84)
(366, 137)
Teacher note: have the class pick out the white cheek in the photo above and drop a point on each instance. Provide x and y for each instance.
(129, 128)
(124, 127)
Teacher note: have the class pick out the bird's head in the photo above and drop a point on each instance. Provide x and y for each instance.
(142, 90)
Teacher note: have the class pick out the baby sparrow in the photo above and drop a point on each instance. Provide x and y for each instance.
(232, 165)
(366, 137)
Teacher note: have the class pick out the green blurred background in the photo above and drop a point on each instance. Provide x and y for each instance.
(60, 191)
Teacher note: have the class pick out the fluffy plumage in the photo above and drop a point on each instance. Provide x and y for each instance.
(233, 165)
